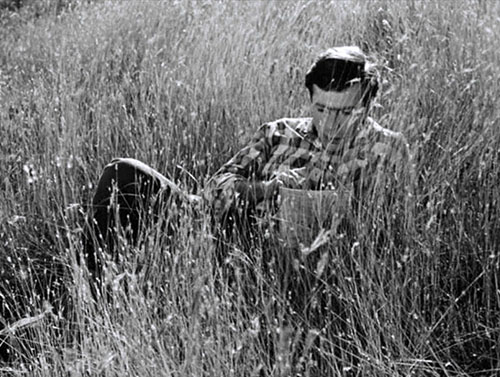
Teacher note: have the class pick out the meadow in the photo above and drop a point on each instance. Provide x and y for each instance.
(182, 85)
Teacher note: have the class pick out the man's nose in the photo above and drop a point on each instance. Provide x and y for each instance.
(331, 116)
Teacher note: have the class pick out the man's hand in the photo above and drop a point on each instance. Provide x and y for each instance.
(266, 190)
(247, 193)
(242, 196)
(292, 178)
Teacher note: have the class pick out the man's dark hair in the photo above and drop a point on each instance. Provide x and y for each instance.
(338, 68)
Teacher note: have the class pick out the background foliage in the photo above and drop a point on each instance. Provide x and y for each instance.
(181, 85)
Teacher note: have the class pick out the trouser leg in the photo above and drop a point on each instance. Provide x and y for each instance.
(128, 193)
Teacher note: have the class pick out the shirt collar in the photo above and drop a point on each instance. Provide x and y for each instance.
(310, 132)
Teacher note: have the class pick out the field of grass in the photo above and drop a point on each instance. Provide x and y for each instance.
(181, 85)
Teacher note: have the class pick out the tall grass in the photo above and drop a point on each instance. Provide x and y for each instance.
(181, 86)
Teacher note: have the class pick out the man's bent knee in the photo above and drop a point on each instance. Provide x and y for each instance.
(126, 188)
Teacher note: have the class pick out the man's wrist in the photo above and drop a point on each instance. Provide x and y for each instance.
(256, 191)
(270, 188)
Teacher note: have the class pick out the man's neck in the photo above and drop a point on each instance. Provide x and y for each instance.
(344, 134)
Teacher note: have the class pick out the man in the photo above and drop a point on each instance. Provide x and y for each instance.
(338, 147)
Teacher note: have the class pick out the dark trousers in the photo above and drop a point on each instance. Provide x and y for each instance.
(128, 196)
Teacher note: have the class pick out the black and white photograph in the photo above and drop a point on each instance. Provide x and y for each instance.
(257, 188)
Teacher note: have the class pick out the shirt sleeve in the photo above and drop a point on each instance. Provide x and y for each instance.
(404, 176)
(233, 181)
(392, 189)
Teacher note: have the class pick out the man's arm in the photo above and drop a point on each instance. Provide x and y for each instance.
(391, 189)
(404, 176)
(238, 183)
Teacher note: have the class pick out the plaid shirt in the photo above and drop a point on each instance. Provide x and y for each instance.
(292, 144)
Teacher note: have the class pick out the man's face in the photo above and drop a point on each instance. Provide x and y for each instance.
(331, 111)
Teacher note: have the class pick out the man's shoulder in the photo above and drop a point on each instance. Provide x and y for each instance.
(386, 135)
(382, 132)
(384, 141)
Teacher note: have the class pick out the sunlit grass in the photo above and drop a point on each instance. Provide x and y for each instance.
(182, 86)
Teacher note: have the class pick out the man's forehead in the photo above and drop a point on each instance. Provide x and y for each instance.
(349, 97)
